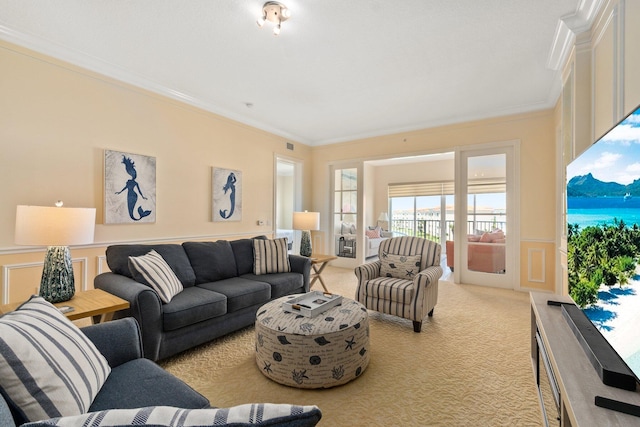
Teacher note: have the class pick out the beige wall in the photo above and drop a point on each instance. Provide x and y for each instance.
(56, 120)
(536, 133)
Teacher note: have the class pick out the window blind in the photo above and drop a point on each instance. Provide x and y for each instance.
(437, 188)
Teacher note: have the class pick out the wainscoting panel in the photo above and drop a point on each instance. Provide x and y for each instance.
(537, 265)
(21, 280)
(537, 262)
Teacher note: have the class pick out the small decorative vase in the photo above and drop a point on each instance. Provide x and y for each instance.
(305, 243)
(57, 284)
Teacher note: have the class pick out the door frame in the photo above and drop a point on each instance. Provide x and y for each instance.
(461, 274)
(297, 193)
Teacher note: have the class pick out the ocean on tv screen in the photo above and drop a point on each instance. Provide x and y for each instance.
(617, 311)
(588, 211)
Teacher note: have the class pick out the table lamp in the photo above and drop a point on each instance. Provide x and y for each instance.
(384, 217)
(56, 227)
(306, 221)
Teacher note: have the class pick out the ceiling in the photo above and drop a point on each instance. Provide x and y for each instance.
(340, 70)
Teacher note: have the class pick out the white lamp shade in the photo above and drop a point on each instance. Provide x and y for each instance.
(53, 226)
(306, 220)
(383, 217)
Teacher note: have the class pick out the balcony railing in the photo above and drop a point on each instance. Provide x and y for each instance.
(430, 228)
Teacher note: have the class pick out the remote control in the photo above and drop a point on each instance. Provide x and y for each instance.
(65, 308)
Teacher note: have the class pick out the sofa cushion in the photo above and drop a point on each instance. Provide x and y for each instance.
(347, 228)
(211, 261)
(390, 289)
(281, 283)
(240, 292)
(152, 270)
(129, 384)
(262, 414)
(48, 367)
(270, 256)
(191, 306)
(243, 253)
(399, 266)
(174, 255)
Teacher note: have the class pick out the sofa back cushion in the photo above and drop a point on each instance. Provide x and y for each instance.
(211, 261)
(173, 254)
(243, 253)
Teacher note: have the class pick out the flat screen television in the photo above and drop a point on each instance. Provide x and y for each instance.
(603, 251)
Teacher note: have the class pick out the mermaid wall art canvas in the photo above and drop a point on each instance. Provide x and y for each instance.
(227, 195)
(129, 188)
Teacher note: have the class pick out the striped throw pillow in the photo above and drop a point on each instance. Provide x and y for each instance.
(152, 270)
(270, 256)
(48, 367)
(263, 414)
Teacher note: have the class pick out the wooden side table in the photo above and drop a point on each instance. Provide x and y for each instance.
(318, 263)
(94, 303)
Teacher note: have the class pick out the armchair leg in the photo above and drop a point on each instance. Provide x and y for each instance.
(417, 326)
(430, 314)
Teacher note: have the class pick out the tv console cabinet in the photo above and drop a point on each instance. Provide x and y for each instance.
(577, 380)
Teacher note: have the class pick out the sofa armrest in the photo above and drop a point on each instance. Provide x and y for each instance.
(302, 265)
(119, 340)
(144, 306)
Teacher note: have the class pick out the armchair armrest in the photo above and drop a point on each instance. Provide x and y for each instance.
(119, 340)
(368, 271)
(429, 275)
(144, 306)
(301, 264)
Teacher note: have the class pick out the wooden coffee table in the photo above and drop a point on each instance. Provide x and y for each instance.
(94, 303)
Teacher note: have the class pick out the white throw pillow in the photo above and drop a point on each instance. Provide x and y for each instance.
(399, 266)
(264, 414)
(152, 270)
(48, 367)
(270, 256)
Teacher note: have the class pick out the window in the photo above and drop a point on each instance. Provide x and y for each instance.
(345, 210)
(422, 209)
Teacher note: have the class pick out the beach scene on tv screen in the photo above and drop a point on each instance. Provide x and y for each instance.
(603, 236)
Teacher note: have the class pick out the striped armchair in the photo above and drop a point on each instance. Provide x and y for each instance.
(404, 280)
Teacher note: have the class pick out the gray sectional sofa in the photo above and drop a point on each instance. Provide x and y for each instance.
(221, 294)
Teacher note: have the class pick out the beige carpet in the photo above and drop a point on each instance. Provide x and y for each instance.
(470, 365)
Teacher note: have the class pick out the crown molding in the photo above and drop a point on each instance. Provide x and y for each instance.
(568, 28)
(112, 71)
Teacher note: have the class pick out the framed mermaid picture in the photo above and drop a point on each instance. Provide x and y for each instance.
(227, 195)
(129, 188)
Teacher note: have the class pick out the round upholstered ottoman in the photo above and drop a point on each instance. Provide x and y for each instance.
(324, 351)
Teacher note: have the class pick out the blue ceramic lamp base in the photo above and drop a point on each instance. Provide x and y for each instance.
(57, 284)
(305, 243)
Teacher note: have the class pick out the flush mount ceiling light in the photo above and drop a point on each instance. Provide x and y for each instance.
(275, 12)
